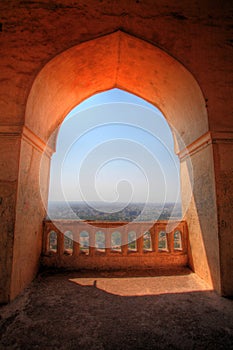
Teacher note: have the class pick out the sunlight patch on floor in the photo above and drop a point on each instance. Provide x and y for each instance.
(139, 286)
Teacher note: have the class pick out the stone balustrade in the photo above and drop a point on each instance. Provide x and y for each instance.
(104, 245)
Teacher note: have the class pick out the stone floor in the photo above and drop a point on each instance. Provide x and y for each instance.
(136, 310)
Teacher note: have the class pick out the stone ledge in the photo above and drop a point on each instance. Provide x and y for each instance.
(211, 137)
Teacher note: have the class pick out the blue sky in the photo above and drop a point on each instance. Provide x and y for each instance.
(115, 147)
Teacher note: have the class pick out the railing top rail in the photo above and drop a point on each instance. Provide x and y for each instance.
(114, 223)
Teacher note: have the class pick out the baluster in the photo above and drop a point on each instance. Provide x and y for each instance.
(92, 248)
(60, 243)
(170, 242)
(124, 241)
(154, 239)
(108, 234)
(46, 235)
(50, 228)
(183, 234)
(156, 233)
(76, 242)
(140, 240)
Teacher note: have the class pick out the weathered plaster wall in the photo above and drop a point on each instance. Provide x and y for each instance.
(198, 34)
(197, 172)
(155, 76)
(9, 158)
(223, 155)
(29, 214)
(117, 60)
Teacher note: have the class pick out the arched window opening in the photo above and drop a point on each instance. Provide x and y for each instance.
(68, 242)
(177, 240)
(82, 149)
(132, 241)
(147, 246)
(100, 241)
(162, 240)
(47, 92)
(53, 242)
(116, 241)
(84, 242)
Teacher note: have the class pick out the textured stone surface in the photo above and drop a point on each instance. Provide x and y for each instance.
(198, 35)
(114, 262)
(223, 154)
(116, 60)
(121, 311)
(29, 214)
(201, 215)
(9, 154)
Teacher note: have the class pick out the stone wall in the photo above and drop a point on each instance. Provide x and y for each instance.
(199, 35)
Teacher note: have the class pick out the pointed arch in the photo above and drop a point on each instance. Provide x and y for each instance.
(123, 61)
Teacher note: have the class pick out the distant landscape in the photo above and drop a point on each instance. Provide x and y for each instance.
(114, 212)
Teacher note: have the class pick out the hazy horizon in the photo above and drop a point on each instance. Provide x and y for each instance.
(82, 201)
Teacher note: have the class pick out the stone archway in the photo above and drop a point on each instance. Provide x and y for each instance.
(116, 60)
